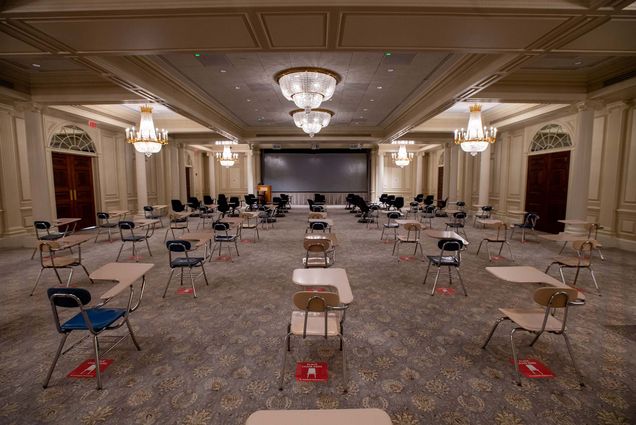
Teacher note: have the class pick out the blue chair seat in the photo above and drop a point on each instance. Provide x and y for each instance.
(444, 261)
(132, 238)
(186, 262)
(100, 317)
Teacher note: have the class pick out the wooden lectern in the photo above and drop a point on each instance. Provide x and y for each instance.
(264, 193)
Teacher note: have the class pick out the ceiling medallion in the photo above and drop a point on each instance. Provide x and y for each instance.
(402, 158)
(226, 158)
(313, 121)
(147, 139)
(307, 87)
(476, 137)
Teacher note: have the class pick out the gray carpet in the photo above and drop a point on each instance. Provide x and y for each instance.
(216, 359)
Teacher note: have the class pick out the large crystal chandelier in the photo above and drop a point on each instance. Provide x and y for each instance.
(147, 139)
(311, 122)
(307, 87)
(476, 137)
(226, 158)
(402, 158)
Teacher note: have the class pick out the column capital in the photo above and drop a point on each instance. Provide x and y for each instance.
(29, 107)
(620, 104)
(589, 104)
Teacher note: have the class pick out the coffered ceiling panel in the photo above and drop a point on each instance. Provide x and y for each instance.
(45, 63)
(10, 45)
(287, 30)
(565, 61)
(443, 31)
(151, 34)
(373, 84)
(617, 35)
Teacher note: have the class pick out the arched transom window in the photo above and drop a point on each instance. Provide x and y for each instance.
(551, 136)
(72, 138)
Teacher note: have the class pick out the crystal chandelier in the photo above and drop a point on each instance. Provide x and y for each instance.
(147, 139)
(311, 122)
(226, 158)
(307, 87)
(402, 158)
(476, 137)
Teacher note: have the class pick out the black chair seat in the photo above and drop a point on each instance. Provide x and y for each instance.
(391, 225)
(443, 261)
(454, 224)
(108, 225)
(186, 262)
(51, 237)
(223, 238)
(99, 317)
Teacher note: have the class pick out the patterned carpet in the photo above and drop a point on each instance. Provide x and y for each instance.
(216, 359)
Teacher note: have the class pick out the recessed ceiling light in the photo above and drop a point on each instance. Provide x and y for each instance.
(379, 87)
(365, 109)
(197, 55)
(371, 100)
(237, 87)
(35, 65)
(361, 117)
(578, 61)
(255, 109)
(390, 70)
(248, 100)
(222, 71)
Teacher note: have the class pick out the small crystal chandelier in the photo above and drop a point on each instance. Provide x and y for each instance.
(147, 139)
(402, 158)
(226, 158)
(307, 87)
(476, 137)
(311, 122)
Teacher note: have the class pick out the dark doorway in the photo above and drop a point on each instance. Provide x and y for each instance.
(440, 182)
(547, 189)
(187, 173)
(74, 192)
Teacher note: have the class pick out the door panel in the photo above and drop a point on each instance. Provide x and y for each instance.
(440, 182)
(547, 189)
(74, 193)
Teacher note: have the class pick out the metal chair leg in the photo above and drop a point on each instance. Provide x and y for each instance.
(492, 331)
(70, 276)
(132, 335)
(58, 275)
(168, 284)
(37, 281)
(57, 356)
(435, 283)
(282, 369)
(344, 366)
(563, 277)
(461, 281)
(514, 356)
(576, 369)
(148, 246)
(205, 276)
(97, 371)
(118, 254)
(479, 247)
(594, 280)
(538, 335)
(510, 249)
(426, 274)
(194, 290)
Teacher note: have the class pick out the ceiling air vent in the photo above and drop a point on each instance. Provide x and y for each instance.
(355, 146)
(277, 147)
(315, 146)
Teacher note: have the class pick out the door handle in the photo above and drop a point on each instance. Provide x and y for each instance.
(70, 194)
(75, 194)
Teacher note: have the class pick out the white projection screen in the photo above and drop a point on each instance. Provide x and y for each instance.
(315, 171)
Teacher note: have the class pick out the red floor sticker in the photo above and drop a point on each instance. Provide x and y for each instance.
(185, 291)
(388, 241)
(533, 368)
(311, 372)
(407, 258)
(136, 257)
(225, 258)
(445, 291)
(497, 257)
(87, 368)
(247, 240)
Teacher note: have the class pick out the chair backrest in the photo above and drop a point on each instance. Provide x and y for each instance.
(584, 247)
(221, 226)
(530, 220)
(222, 198)
(207, 200)
(384, 197)
(430, 209)
(178, 245)
(486, 208)
(68, 297)
(313, 301)
(317, 245)
(126, 225)
(412, 231)
(460, 204)
(176, 205)
(318, 225)
(501, 227)
(429, 199)
(148, 208)
(459, 217)
(103, 216)
(450, 245)
(41, 225)
(419, 197)
(234, 201)
(555, 297)
(399, 202)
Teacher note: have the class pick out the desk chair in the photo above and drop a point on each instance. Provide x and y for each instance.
(450, 256)
(151, 213)
(285, 202)
(529, 222)
(540, 320)
(50, 259)
(181, 246)
(249, 223)
(501, 239)
(458, 222)
(412, 237)
(94, 320)
(320, 314)
(177, 206)
(484, 213)
(593, 228)
(43, 233)
(177, 222)
(234, 203)
(127, 234)
(441, 208)
(222, 235)
(391, 224)
(205, 214)
(428, 213)
(349, 201)
(373, 215)
(319, 199)
(103, 222)
(583, 260)
(318, 253)
(208, 200)
(398, 203)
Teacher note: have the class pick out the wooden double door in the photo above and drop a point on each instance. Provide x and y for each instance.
(74, 192)
(547, 189)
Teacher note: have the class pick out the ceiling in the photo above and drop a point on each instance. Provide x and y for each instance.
(402, 64)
